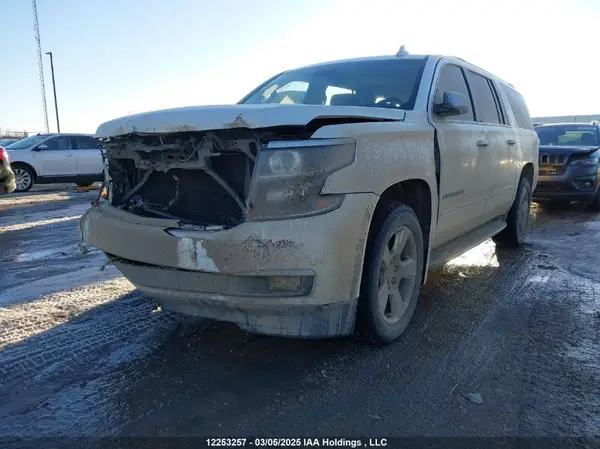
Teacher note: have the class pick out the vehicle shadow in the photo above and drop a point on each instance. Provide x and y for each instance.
(163, 374)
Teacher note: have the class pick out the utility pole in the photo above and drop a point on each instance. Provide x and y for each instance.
(54, 88)
(36, 30)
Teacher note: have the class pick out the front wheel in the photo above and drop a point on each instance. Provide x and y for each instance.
(23, 178)
(595, 204)
(392, 274)
(517, 220)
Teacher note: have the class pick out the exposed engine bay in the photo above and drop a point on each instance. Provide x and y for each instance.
(197, 178)
(204, 178)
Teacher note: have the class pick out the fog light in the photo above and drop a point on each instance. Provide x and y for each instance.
(285, 283)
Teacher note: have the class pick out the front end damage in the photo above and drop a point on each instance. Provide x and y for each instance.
(198, 179)
(232, 225)
(215, 180)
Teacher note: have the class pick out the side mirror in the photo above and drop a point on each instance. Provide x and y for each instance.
(453, 104)
(40, 147)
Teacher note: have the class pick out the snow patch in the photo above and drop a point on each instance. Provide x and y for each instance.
(57, 283)
(27, 221)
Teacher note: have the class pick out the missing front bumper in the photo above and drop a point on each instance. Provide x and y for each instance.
(232, 274)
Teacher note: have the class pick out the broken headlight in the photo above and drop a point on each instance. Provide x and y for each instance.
(289, 176)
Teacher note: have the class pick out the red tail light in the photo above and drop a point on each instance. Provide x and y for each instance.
(3, 154)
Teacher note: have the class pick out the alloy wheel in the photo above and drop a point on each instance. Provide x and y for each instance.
(23, 178)
(397, 275)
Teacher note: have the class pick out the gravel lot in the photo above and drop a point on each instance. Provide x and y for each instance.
(83, 354)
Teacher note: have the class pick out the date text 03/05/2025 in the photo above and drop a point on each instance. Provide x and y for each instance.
(297, 442)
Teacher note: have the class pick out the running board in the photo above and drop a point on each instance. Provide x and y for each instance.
(454, 248)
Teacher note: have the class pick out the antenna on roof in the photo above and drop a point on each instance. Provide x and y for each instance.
(402, 52)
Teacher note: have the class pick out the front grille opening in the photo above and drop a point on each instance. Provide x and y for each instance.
(202, 180)
(201, 199)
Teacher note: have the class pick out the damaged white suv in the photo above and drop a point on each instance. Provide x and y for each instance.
(316, 206)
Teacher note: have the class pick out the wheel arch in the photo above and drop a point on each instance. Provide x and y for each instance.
(528, 172)
(417, 194)
(29, 166)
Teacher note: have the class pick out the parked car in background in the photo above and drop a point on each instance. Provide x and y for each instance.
(323, 198)
(7, 177)
(51, 158)
(569, 169)
(5, 142)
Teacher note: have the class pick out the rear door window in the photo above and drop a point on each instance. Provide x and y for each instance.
(452, 79)
(486, 108)
(85, 143)
(58, 143)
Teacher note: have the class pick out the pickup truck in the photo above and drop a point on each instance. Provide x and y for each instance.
(316, 205)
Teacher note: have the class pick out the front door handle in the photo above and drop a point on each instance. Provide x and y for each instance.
(69, 154)
(511, 141)
(482, 143)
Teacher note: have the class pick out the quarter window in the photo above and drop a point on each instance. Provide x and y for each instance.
(519, 107)
(452, 80)
(486, 110)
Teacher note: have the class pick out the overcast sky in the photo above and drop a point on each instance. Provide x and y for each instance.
(116, 57)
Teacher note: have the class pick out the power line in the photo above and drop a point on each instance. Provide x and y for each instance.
(36, 29)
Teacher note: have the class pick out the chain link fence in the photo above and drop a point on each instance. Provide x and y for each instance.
(14, 134)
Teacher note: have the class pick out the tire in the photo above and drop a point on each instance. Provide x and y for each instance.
(24, 178)
(518, 217)
(394, 236)
(595, 204)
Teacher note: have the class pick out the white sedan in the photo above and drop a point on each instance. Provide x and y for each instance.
(53, 158)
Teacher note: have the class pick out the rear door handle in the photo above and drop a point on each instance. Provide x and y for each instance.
(482, 143)
(69, 154)
(511, 141)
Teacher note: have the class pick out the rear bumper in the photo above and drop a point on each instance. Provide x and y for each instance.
(7, 181)
(295, 277)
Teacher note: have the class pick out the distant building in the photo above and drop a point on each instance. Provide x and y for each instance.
(567, 118)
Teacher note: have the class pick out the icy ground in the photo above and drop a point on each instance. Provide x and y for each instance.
(502, 343)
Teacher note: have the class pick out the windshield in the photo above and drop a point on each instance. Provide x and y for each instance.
(25, 143)
(568, 135)
(376, 83)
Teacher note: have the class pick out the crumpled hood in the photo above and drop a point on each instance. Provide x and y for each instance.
(204, 118)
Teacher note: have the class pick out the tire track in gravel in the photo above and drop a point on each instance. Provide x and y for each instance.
(411, 371)
(87, 345)
(65, 326)
(563, 394)
(336, 387)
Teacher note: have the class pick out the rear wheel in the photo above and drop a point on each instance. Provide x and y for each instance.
(392, 274)
(24, 178)
(517, 220)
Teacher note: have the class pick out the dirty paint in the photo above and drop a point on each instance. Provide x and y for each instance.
(206, 118)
